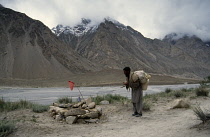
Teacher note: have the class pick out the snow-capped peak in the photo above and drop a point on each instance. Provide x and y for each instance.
(78, 30)
(86, 26)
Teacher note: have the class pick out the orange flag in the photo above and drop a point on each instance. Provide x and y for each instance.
(71, 85)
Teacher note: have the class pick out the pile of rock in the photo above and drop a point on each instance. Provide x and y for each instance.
(82, 112)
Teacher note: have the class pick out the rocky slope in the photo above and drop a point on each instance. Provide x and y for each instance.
(29, 50)
(114, 45)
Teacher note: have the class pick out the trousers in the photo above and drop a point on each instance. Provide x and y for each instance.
(137, 100)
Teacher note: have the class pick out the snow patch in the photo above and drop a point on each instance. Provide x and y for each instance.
(78, 30)
(86, 26)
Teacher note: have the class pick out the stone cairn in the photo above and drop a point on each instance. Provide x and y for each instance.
(82, 112)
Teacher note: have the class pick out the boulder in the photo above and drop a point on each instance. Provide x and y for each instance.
(51, 108)
(58, 118)
(60, 110)
(180, 103)
(93, 110)
(81, 121)
(71, 119)
(104, 102)
(84, 106)
(57, 110)
(92, 105)
(87, 111)
(90, 115)
(75, 112)
(88, 100)
(99, 109)
(78, 104)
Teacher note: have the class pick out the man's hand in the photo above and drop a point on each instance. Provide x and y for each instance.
(125, 83)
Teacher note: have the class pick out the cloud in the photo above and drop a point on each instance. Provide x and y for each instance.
(153, 18)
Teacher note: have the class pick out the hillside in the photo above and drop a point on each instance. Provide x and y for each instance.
(29, 50)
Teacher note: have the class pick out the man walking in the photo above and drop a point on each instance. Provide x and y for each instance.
(133, 82)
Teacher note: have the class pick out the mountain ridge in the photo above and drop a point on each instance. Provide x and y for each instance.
(115, 47)
(30, 50)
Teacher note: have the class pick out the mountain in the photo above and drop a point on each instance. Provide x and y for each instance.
(114, 45)
(192, 45)
(29, 50)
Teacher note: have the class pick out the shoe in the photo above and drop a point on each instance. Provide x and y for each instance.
(134, 114)
(138, 115)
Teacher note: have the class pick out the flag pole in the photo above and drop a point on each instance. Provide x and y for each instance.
(80, 93)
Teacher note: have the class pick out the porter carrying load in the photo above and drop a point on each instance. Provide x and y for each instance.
(143, 77)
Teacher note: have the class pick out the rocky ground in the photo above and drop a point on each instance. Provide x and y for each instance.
(116, 121)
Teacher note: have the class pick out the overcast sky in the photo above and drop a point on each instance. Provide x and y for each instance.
(152, 18)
